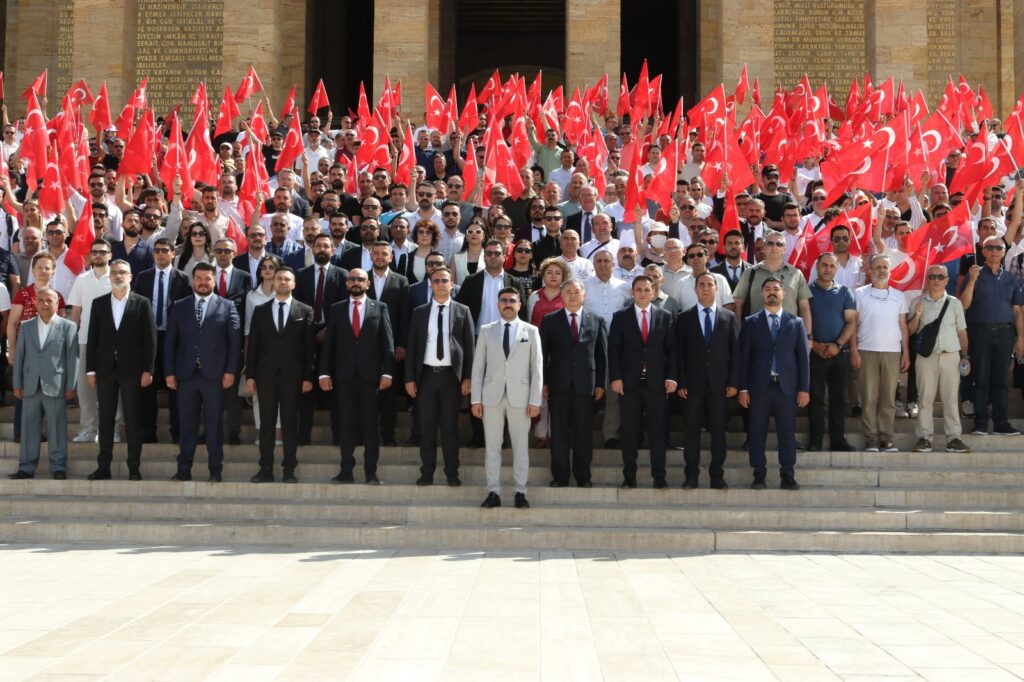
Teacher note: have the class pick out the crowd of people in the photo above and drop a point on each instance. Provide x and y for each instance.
(363, 296)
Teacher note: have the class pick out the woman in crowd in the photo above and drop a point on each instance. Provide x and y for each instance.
(260, 294)
(471, 258)
(196, 249)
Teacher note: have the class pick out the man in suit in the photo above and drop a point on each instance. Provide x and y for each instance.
(733, 265)
(319, 286)
(280, 367)
(582, 223)
(357, 362)
(45, 369)
(362, 258)
(642, 369)
(707, 342)
(288, 250)
(774, 381)
(575, 345)
(203, 344)
(162, 287)
(256, 241)
(233, 284)
(438, 366)
(421, 292)
(391, 289)
(507, 387)
(119, 360)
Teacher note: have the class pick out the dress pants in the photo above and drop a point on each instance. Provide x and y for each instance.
(308, 405)
(705, 407)
(232, 409)
(990, 349)
(649, 401)
(439, 398)
(612, 415)
(278, 399)
(828, 378)
(879, 372)
(763, 405)
(358, 405)
(199, 396)
(572, 424)
(32, 409)
(939, 373)
(88, 401)
(494, 420)
(388, 407)
(148, 411)
(108, 390)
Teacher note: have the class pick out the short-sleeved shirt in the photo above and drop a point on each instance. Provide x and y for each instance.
(8, 267)
(994, 298)
(828, 310)
(26, 298)
(878, 319)
(685, 293)
(793, 284)
(87, 288)
(952, 322)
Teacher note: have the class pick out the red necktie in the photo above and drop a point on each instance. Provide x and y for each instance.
(643, 326)
(575, 328)
(355, 318)
(318, 302)
(223, 284)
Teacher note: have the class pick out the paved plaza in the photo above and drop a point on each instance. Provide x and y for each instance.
(156, 613)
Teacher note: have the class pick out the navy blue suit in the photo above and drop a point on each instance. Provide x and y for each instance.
(773, 396)
(198, 358)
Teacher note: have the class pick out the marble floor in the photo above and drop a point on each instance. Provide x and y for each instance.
(156, 613)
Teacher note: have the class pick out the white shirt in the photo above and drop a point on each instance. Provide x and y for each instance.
(117, 307)
(701, 316)
(87, 288)
(489, 299)
(685, 292)
(44, 329)
(562, 176)
(641, 314)
(582, 269)
(362, 309)
(379, 282)
(5, 239)
(596, 246)
(254, 266)
(156, 290)
(366, 259)
(791, 240)
(430, 352)
(113, 212)
(627, 276)
(5, 300)
(287, 309)
(206, 304)
(605, 299)
(294, 226)
(512, 327)
(63, 279)
(450, 244)
(849, 276)
(878, 323)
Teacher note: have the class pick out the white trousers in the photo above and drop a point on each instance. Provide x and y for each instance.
(494, 420)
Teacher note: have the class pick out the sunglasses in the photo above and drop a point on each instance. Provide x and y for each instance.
(708, 242)
(936, 278)
(493, 254)
(435, 264)
(371, 208)
(99, 252)
(355, 279)
(424, 194)
(450, 214)
(502, 226)
(686, 208)
(691, 256)
(151, 217)
(54, 233)
(197, 234)
(552, 217)
(524, 250)
(990, 247)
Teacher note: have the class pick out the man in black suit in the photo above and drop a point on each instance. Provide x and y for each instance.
(338, 227)
(120, 355)
(707, 340)
(357, 363)
(391, 289)
(642, 370)
(280, 366)
(233, 284)
(319, 286)
(256, 243)
(575, 346)
(369, 233)
(550, 244)
(162, 286)
(421, 292)
(438, 367)
(581, 223)
(733, 265)
(204, 342)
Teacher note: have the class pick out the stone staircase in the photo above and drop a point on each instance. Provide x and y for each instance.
(850, 502)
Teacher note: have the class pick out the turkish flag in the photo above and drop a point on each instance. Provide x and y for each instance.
(81, 241)
(138, 153)
(598, 96)
(806, 251)
(437, 112)
(742, 86)
(664, 182)
(78, 93)
(730, 217)
(575, 118)
(236, 234)
(38, 86)
(911, 273)
(750, 134)
(844, 167)
(319, 99)
(176, 164)
(258, 124)
(125, 121)
(505, 169)
(36, 138)
(490, 89)
(549, 116)
(972, 169)
(100, 114)
(139, 99)
(521, 149)
(755, 96)
(407, 159)
(861, 221)
(470, 172)
(385, 105)
(708, 109)
(623, 106)
(635, 197)
(1014, 138)
(203, 164)
(227, 113)
(951, 236)
(725, 156)
(918, 108)
(249, 86)
(292, 148)
(51, 195)
(289, 104)
(670, 124)
(82, 156)
(201, 102)
(470, 116)
(642, 95)
(375, 151)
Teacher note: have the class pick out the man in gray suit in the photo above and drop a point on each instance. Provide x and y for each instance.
(507, 385)
(45, 369)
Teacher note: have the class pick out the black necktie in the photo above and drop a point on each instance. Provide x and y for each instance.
(160, 302)
(280, 316)
(504, 340)
(440, 332)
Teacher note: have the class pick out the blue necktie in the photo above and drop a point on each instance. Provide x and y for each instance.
(586, 228)
(160, 302)
(775, 337)
(707, 326)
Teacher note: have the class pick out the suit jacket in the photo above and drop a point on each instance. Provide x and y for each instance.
(352, 259)
(723, 270)
(700, 365)
(178, 284)
(790, 351)
(471, 294)
(420, 293)
(334, 288)
(574, 366)
(284, 357)
(575, 223)
(368, 357)
(520, 375)
(53, 368)
(128, 350)
(341, 249)
(218, 344)
(396, 297)
(239, 284)
(461, 330)
(291, 252)
(627, 353)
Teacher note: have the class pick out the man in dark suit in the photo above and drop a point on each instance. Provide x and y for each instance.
(549, 245)
(204, 341)
(575, 346)
(280, 366)
(233, 284)
(581, 223)
(357, 362)
(369, 233)
(642, 370)
(391, 289)
(774, 381)
(733, 265)
(438, 367)
(288, 250)
(707, 342)
(319, 286)
(119, 360)
(421, 292)
(162, 287)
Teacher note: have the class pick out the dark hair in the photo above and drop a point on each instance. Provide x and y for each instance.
(773, 280)
(276, 260)
(164, 241)
(203, 267)
(641, 278)
(832, 232)
(790, 205)
(706, 273)
(732, 233)
(509, 290)
(187, 250)
(449, 202)
(100, 240)
(285, 268)
(435, 234)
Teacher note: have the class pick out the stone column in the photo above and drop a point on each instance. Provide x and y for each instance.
(403, 49)
(593, 32)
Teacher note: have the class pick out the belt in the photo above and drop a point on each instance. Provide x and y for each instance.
(437, 369)
(992, 326)
(774, 379)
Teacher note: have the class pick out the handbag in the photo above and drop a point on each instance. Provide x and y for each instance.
(929, 334)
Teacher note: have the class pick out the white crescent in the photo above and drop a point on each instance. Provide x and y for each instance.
(931, 134)
(953, 230)
(375, 136)
(436, 105)
(995, 166)
(817, 103)
(864, 168)
(891, 134)
(911, 271)
(715, 102)
(857, 233)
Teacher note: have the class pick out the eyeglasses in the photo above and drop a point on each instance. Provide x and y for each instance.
(709, 242)
(523, 249)
(936, 278)
(493, 254)
(776, 244)
(440, 281)
(502, 226)
(96, 217)
(350, 278)
(817, 198)
(450, 214)
(424, 194)
(552, 217)
(772, 176)
(697, 254)
(424, 231)
(99, 252)
(686, 208)
(508, 300)
(223, 251)
(153, 216)
(54, 233)
(197, 234)
(454, 187)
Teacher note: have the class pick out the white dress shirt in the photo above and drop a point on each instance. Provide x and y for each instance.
(430, 352)
(606, 298)
(287, 309)
(117, 307)
(379, 282)
(44, 329)
(701, 316)
(489, 300)
(167, 293)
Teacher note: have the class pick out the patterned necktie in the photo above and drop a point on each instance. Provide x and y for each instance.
(504, 340)
(280, 316)
(355, 318)
(160, 301)
(440, 332)
(707, 326)
(199, 313)
(575, 328)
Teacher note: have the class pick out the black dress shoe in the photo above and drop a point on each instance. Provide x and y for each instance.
(262, 477)
(789, 483)
(289, 476)
(60, 476)
(425, 480)
(690, 483)
(343, 477)
(492, 501)
(814, 446)
(758, 483)
(800, 447)
(99, 475)
(476, 442)
(215, 478)
(842, 446)
(20, 475)
(628, 483)
(454, 482)
(134, 476)
(202, 439)
(718, 483)
(389, 442)
(234, 438)
(413, 440)
(181, 477)
(303, 440)
(557, 484)
(372, 480)
(585, 484)
(521, 502)
(612, 443)
(660, 484)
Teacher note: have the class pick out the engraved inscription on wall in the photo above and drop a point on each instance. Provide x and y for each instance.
(942, 35)
(60, 75)
(179, 43)
(825, 40)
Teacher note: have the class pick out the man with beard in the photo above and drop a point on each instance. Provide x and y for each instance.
(286, 180)
(338, 227)
(391, 289)
(357, 363)
(399, 199)
(426, 210)
(129, 245)
(369, 232)
(232, 284)
(282, 207)
(348, 203)
(256, 240)
(209, 216)
(733, 265)
(774, 200)
(97, 195)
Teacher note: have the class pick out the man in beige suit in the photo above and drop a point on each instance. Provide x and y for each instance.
(506, 385)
